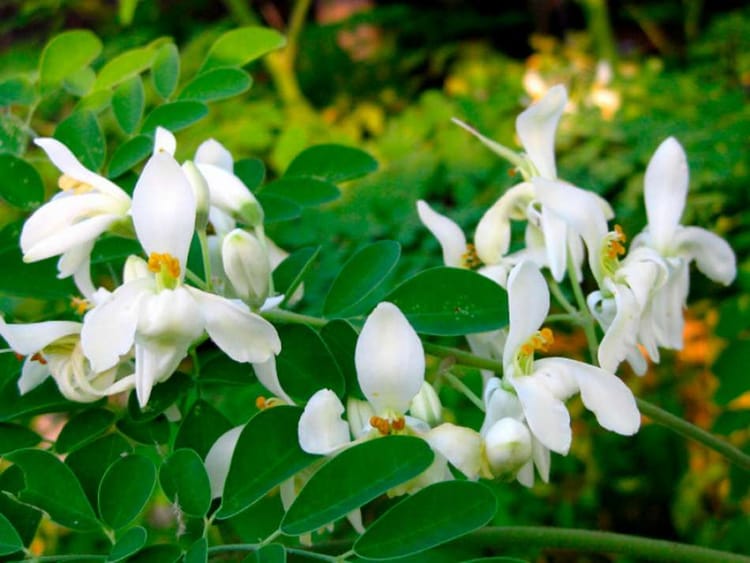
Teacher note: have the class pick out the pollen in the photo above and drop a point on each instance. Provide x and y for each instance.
(69, 184)
(39, 358)
(167, 263)
(79, 305)
(616, 243)
(469, 259)
(398, 424)
(382, 425)
(260, 402)
(540, 340)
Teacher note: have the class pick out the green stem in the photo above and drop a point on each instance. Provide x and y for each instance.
(196, 279)
(557, 293)
(462, 388)
(599, 542)
(313, 555)
(293, 318)
(255, 547)
(684, 428)
(54, 558)
(564, 317)
(206, 257)
(462, 357)
(587, 321)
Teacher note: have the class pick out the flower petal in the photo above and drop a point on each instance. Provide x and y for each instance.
(665, 190)
(492, 237)
(546, 415)
(321, 429)
(269, 378)
(390, 359)
(68, 238)
(498, 404)
(461, 446)
(33, 374)
(230, 195)
(155, 361)
(164, 141)
(449, 234)
(213, 152)
(508, 446)
(528, 303)
(219, 458)
(712, 254)
(536, 127)
(619, 336)
(26, 339)
(555, 241)
(541, 456)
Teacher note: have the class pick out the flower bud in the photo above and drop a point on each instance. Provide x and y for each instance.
(426, 405)
(202, 194)
(247, 266)
(358, 413)
(508, 447)
(135, 268)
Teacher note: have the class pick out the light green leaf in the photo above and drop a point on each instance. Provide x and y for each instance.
(79, 83)
(52, 487)
(128, 544)
(435, 515)
(451, 302)
(128, 102)
(165, 72)
(175, 116)
(334, 163)
(276, 209)
(83, 428)
(360, 277)
(126, 11)
(125, 488)
(124, 67)
(65, 54)
(354, 477)
(16, 90)
(216, 84)
(302, 190)
(10, 541)
(130, 153)
(81, 133)
(96, 102)
(241, 46)
(184, 480)
(20, 183)
(15, 437)
(267, 454)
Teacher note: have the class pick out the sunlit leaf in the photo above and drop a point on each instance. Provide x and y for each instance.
(165, 71)
(65, 54)
(241, 46)
(216, 84)
(130, 153)
(124, 67)
(333, 163)
(81, 133)
(175, 116)
(128, 102)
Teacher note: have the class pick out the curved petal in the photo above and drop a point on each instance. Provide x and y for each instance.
(666, 310)
(82, 233)
(498, 404)
(712, 254)
(528, 302)
(164, 141)
(665, 190)
(229, 194)
(213, 152)
(492, 237)
(269, 378)
(389, 359)
(508, 446)
(26, 339)
(321, 429)
(461, 446)
(155, 361)
(556, 379)
(219, 458)
(164, 208)
(546, 415)
(555, 241)
(245, 262)
(33, 374)
(242, 335)
(449, 234)
(541, 456)
(536, 127)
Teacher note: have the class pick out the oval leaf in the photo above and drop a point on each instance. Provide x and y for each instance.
(10, 541)
(451, 302)
(276, 209)
(65, 54)
(362, 274)
(83, 428)
(51, 486)
(81, 133)
(15, 437)
(354, 477)
(129, 154)
(160, 553)
(165, 72)
(216, 84)
(128, 102)
(334, 163)
(198, 552)
(16, 90)
(79, 83)
(272, 553)
(251, 171)
(128, 544)
(124, 67)
(184, 480)
(241, 46)
(20, 183)
(125, 489)
(434, 515)
(267, 454)
(90, 462)
(175, 116)
(341, 339)
(290, 273)
(302, 190)
(201, 427)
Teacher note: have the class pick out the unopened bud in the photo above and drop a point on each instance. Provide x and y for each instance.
(508, 447)
(135, 268)
(201, 192)
(426, 405)
(247, 266)
(250, 212)
(358, 413)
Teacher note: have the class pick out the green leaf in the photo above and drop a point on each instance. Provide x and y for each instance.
(124, 67)
(334, 163)
(174, 116)
(360, 277)
(53, 487)
(433, 516)
(305, 364)
(125, 489)
(165, 72)
(129, 543)
(130, 153)
(79, 83)
(499, 559)
(267, 453)
(161, 553)
(81, 133)
(184, 480)
(65, 54)
(162, 397)
(43, 399)
(451, 302)
(16, 90)
(354, 477)
(201, 427)
(20, 183)
(10, 541)
(272, 553)
(302, 190)
(83, 428)
(251, 171)
(150, 432)
(15, 437)
(730, 370)
(25, 519)
(216, 84)
(288, 275)
(341, 339)
(96, 102)
(128, 102)
(241, 46)
(198, 552)
(276, 209)
(90, 462)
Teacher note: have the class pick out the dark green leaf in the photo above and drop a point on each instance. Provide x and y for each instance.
(241, 46)
(65, 54)
(161, 553)
(54, 488)
(434, 515)
(201, 427)
(730, 369)
(305, 364)
(272, 553)
(128, 544)
(267, 454)
(277, 209)
(10, 541)
(198, 552)
(130, 153)
(288, 275)
(16, 90)
(79, 83)
(354, 477)
(14, 136)
(175, 116)
(125, 488)
(498, 559)
(15, 437)
(24, 518)
(184, 480)
(124, 67)
(216, 84)
(259, 520)
(251, 171)
(165, 72)
(83, 428)
(334, 163)
(150, 432)
(81, 133)
(731, 421)
(20, 183)
(108, 249)
(451, 302)
(302, 190)
(360, 277)
(43, 399)
(341, 339)
(91, 461)
(162, 397)
(128, 102)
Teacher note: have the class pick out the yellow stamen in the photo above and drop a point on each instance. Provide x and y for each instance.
(399, 424)
(69, 184)
(80, 305)
(260, 402)
(381, 424)
(164, 263)
(540, 340)
(39, 358)
(469, 259)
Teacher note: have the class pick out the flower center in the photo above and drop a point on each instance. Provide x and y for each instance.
(614, 247)
(262, 403)
(166, 267)
(385, 427)
(69, 184)
(37, 357)
(80, 305)
(469, 259)
(540, 340)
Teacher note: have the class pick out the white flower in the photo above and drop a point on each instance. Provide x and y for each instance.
(159, 314)
(543, 385)
(247, 265)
